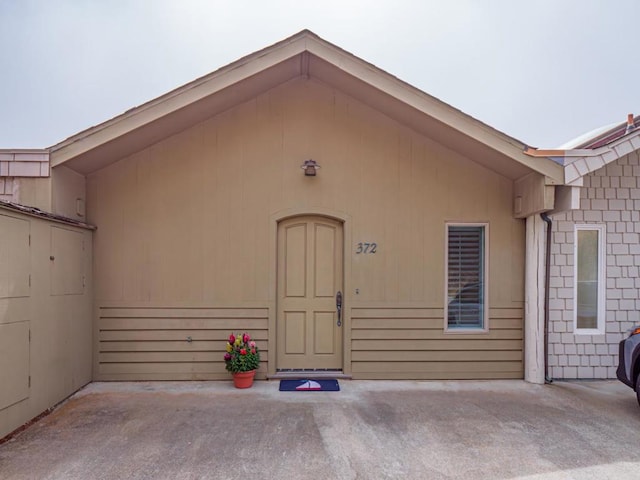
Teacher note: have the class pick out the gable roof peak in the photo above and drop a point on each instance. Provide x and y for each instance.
(302, 55)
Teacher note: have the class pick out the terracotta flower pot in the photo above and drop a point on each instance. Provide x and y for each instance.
(244, 379)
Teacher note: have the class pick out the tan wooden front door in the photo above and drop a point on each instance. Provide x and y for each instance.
(310, 251)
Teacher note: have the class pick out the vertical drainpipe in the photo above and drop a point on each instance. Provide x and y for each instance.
(547, 276)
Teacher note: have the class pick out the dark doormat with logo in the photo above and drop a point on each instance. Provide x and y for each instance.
(306, 385)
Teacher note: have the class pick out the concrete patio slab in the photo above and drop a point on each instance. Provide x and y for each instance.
(371, 429)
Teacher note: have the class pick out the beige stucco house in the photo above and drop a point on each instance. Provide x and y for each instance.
(352, 223)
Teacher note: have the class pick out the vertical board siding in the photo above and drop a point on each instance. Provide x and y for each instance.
(410, 343)
(46, 300)
(188, 221)
(151, 343)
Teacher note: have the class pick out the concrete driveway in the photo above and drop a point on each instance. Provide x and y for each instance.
(369, 430)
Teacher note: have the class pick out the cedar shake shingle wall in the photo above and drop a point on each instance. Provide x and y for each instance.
(611, 197)
(6, 189)
(24, 163)
(19, 168)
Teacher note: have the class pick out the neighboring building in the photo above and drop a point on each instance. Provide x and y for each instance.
(414, 251)
(595, 283)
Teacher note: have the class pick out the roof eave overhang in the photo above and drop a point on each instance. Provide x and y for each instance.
(181, 97)
(306, 54)
(579, 162)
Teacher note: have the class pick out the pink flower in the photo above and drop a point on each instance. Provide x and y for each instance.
(243, 351)
(253, 350)
(246, 337)
(227, 357)
(252, 344)
(232, 339)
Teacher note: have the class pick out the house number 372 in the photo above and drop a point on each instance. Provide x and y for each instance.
(366, 247)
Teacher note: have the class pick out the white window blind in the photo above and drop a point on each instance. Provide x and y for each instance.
(465, 272)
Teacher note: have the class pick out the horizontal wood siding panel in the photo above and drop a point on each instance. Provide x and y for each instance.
(170, 371)
(436, 375)
(435, 323)
(411, 343)
(498, 313)
(164, 356)
(447, 344)
(438, 356)
(151, 343)
(182, 323)
(172, 346)
(460, 367)
(432, 333)
(173, 376)
(174, 335)
(182, 312)
(413, 312)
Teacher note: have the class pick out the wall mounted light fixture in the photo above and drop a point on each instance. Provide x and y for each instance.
(310, 167)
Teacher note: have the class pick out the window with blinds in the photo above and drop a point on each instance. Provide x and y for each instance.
(466, 276)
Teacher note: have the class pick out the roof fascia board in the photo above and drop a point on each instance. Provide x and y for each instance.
(270, 56)
(170, 102)
(580, 162)
(433, 107)
(23, 150)
(633, 137)
(42, 215)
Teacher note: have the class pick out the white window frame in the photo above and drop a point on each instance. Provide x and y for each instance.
(485, 323)
(602, 278)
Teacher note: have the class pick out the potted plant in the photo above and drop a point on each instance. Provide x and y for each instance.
(242, 359)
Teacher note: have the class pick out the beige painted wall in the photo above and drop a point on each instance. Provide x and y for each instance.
(33, 192)
(45, 315)
(69, 193)
(186, 241)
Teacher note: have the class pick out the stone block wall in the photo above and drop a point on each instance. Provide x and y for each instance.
(611, 197)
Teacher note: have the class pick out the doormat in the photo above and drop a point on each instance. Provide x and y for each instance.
(306, 385)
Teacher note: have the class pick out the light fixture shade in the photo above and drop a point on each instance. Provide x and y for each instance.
(310, 167)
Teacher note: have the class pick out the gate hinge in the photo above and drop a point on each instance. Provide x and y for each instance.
(29, 381)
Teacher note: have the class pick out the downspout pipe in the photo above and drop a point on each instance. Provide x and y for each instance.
(547, 277)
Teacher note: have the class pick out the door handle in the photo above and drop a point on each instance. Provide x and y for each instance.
(339, 307)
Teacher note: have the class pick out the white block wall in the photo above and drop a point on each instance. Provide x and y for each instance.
(610, 196)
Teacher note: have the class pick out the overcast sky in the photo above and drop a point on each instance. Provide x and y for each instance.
(541, 71)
